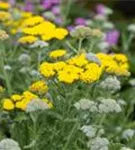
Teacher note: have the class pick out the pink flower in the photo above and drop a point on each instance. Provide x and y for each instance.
(100, 9)
(112, 37)
(80, 21)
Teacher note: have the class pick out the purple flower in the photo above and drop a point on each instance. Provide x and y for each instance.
(112, 37)
(80, 21)
(12, 2)
(28, 6)
(47, 4)
(56, 10)
(70, 28)
(58, 21)
(55, 2)
(100, 9)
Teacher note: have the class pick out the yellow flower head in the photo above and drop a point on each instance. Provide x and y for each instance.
(8, 104)
(79, 60)
(69, 74)
(47, 69)
(57, 53)
(44, 29)
(29, 96)
(26, 14)
(22, 104)
(33, 20)
(26, 98)
(120, 58)
(114, 64)
(4, 5)
(92, 74)
(4, 16)
(16, 97)
(60, 33)
(27, 39)
(59, 66)
(39, 87)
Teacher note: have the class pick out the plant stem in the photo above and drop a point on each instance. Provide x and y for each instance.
(70, 136)
(80, 44)
(34, 120)
(65, 14)
(92, 43)
(6, 78)
(70, 46)
(128, 42)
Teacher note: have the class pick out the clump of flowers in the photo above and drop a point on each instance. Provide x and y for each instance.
(4, 5)
(79, 68)
(39, 87)
(36, 26)
(111, 84)
(81, 32)
(9, 144)
(28, 39)
(4, 16)
(21, 101)
(117, 64)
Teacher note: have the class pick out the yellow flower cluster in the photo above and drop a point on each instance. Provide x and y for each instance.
(79, 68)
(116, 64)
(41, 28)
(4, 16)
(32, 21)
(30, 25)
(11, 23)
(39, 87)
(28, 39)
(4, 5)
(21, 101)
(18, 101)
(57, 53)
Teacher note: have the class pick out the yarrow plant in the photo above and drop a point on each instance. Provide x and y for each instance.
(62, 89)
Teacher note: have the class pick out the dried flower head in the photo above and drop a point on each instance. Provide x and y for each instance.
(9, 144)
(38, 104)
(109, 106)
(128, 134)
(91, 131)
(98, 143)
(111, 84)
(3, 35)
(86, 104)
(81, 32)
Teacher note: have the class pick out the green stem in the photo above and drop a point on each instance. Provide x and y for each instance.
(100, 123)
(6, 78)
(70, 136)
(130, 110)
(34, 121)
(65, 14)
(39, 59)
(70, 46)
(128, 42)
(80, 44)
(92, 43)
